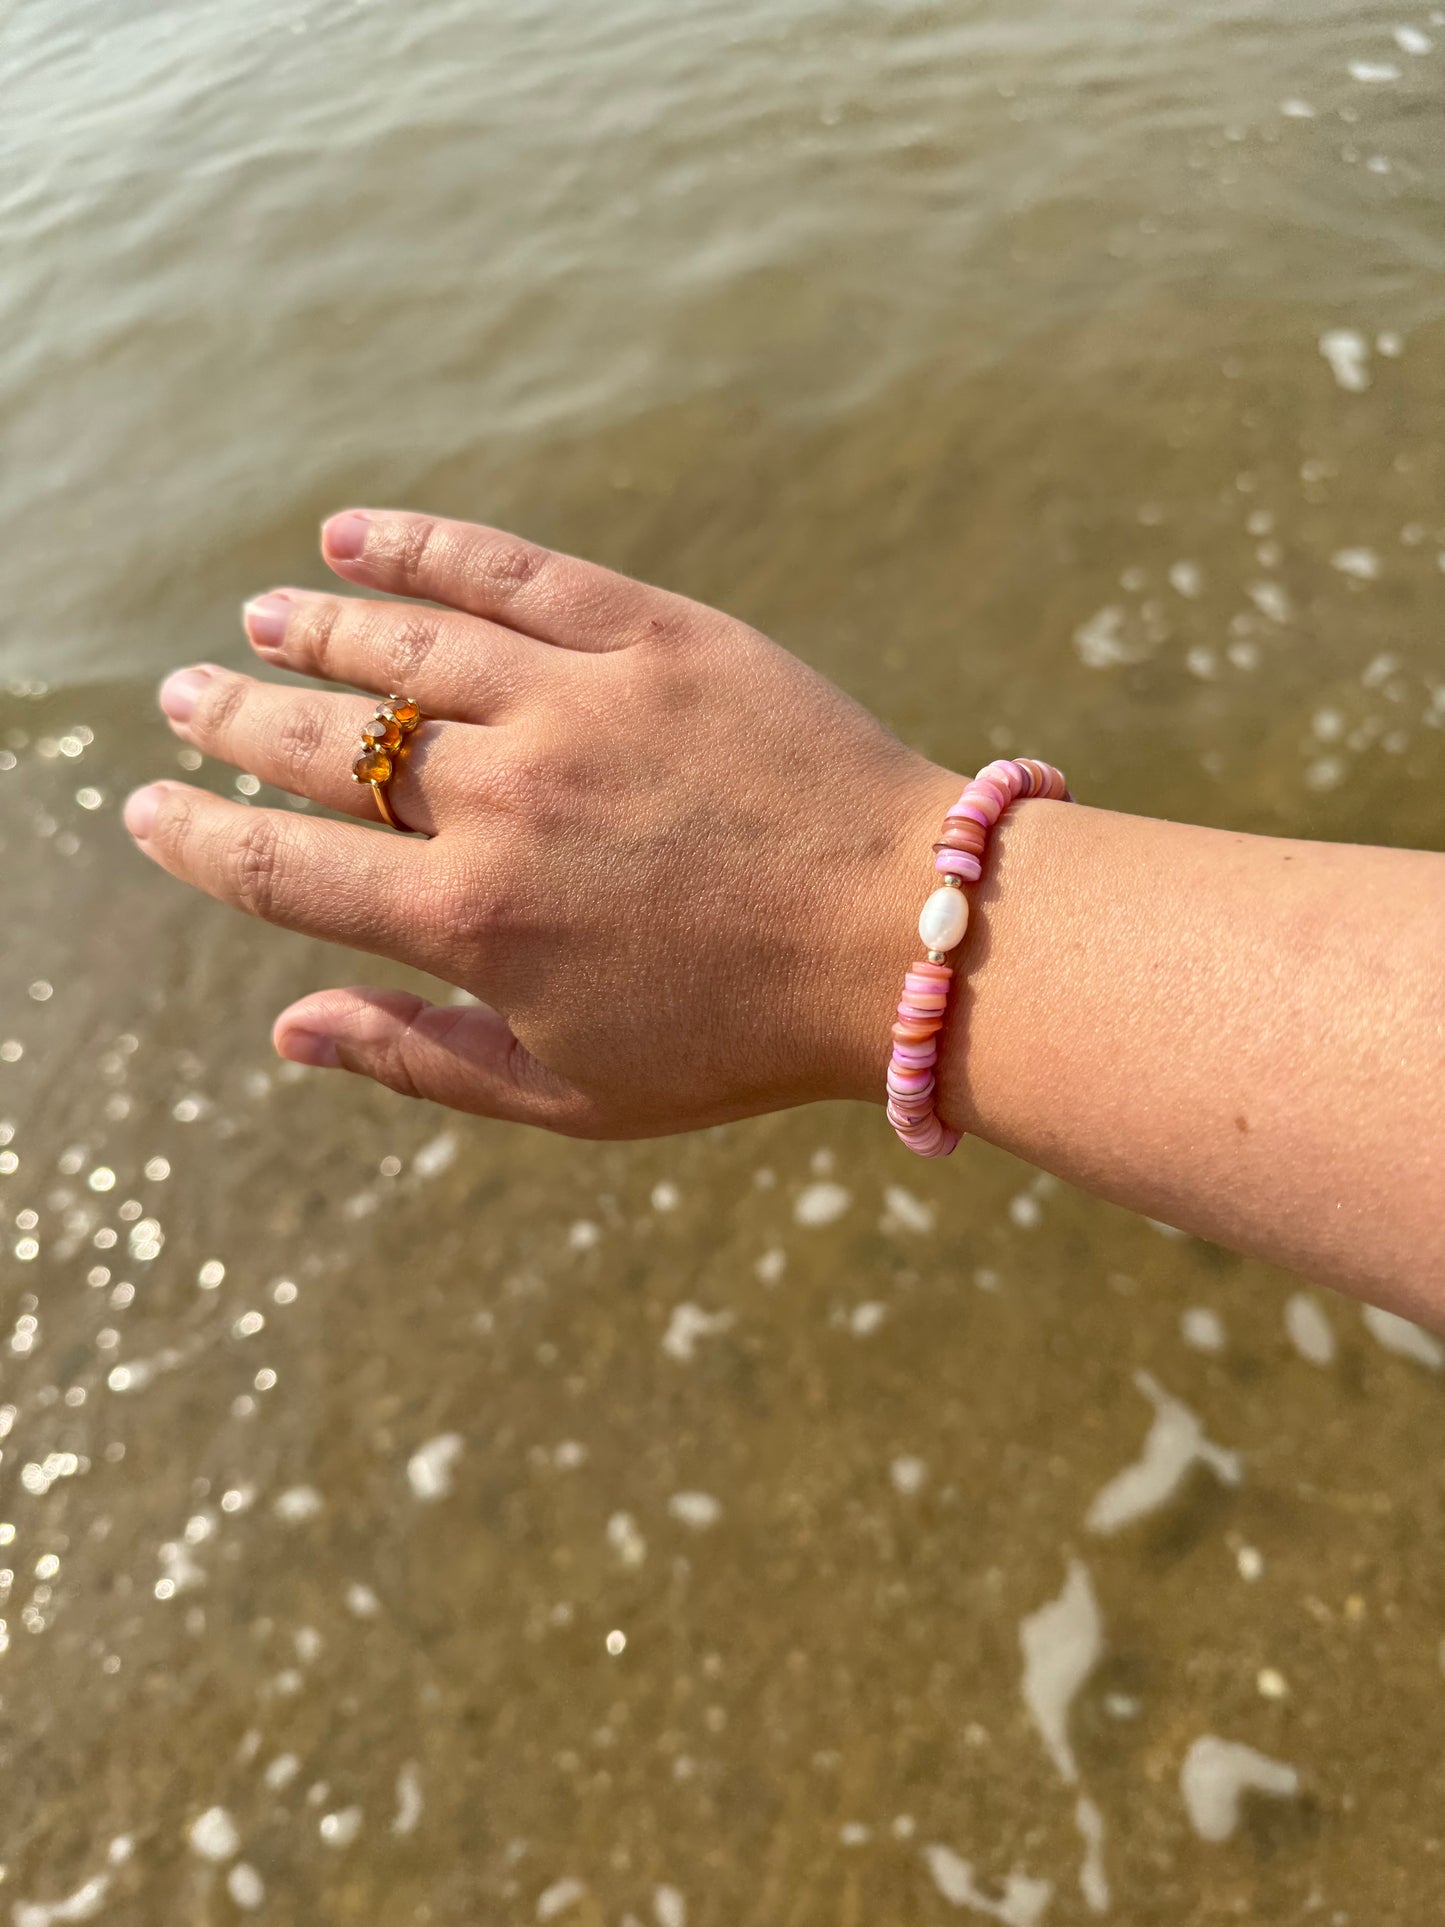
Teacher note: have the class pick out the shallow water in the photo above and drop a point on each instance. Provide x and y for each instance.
(973, 1543)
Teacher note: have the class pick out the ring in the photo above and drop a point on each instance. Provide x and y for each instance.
(384, 743)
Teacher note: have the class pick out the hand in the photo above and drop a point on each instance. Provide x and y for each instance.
(678, 867)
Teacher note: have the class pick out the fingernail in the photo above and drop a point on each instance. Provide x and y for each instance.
(140, 811)
(309, 1047)
(179, 692)
(344, 536)
(265, 620)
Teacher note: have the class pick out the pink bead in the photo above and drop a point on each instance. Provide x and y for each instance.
(958, 863)
(915, 1054)
(968, 811)
(1007, 777)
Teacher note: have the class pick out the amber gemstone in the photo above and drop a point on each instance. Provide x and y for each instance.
(406, 712)
(382, 731)
(372, 766)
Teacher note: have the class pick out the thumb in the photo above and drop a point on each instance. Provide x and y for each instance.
(461, 1055)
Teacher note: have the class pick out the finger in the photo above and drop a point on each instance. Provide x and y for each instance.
(463, 1056)
(331, 880)
(454, 665)
(306, 741)
(488, 573)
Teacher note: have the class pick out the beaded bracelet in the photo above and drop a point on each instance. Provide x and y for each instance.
(958, 859)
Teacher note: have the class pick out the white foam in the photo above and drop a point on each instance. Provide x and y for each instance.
(87, 1900)
(1309, 1331)
(1093, 1881)
(429, 1469)
(1203, 1329)
(908, 1475)
(179, 1571)
(771, 1266)
(1398, 1335)
(669, 1909)
(904, 1212)
(1176, 1442)
(409, 1799)
(1186, 578)
(1215, 1776)
(1062, 1643)
(1362, 564)
(819, 1204)
(1374, 73)
(84, 1904)
(1100, 642)
(1024, 1901)
(626, 1540)
(341, 1828)
(213, 1835)
(245, 1886)
(696, 1509)
(1410, 40)
(687, 1325)
(433, 1158)
(1271, 599)
(282, 1771)
(1348, 353)
(557, 1898)
(300, 1503)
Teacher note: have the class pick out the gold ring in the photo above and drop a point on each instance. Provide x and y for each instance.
(384, 743)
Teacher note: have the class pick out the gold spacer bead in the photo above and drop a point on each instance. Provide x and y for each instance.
(938, 956)
(951, 882)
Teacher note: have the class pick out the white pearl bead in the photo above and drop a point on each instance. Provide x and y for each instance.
(944, 919)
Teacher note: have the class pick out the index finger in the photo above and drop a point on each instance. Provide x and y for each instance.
(556, 598)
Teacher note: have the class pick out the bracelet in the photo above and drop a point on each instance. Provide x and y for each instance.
(958, 859)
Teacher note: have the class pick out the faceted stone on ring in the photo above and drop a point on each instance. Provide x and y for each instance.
(372, 766)
(382, 732)
(406, 712)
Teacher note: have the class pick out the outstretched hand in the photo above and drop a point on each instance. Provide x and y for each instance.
(678, 868)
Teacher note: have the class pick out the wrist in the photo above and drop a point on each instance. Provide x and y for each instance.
(883, 934)
(981, 1031)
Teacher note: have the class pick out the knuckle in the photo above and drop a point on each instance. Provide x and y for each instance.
(414, 544)
(502, 569)
(253, 863)
(409, 643)
(318, 632)
(299, 734)
(174, 829)
(220, 705)
(470, 903)
(395, 1064)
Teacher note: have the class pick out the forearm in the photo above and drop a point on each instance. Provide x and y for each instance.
(1239, 1035)
(679, 870)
